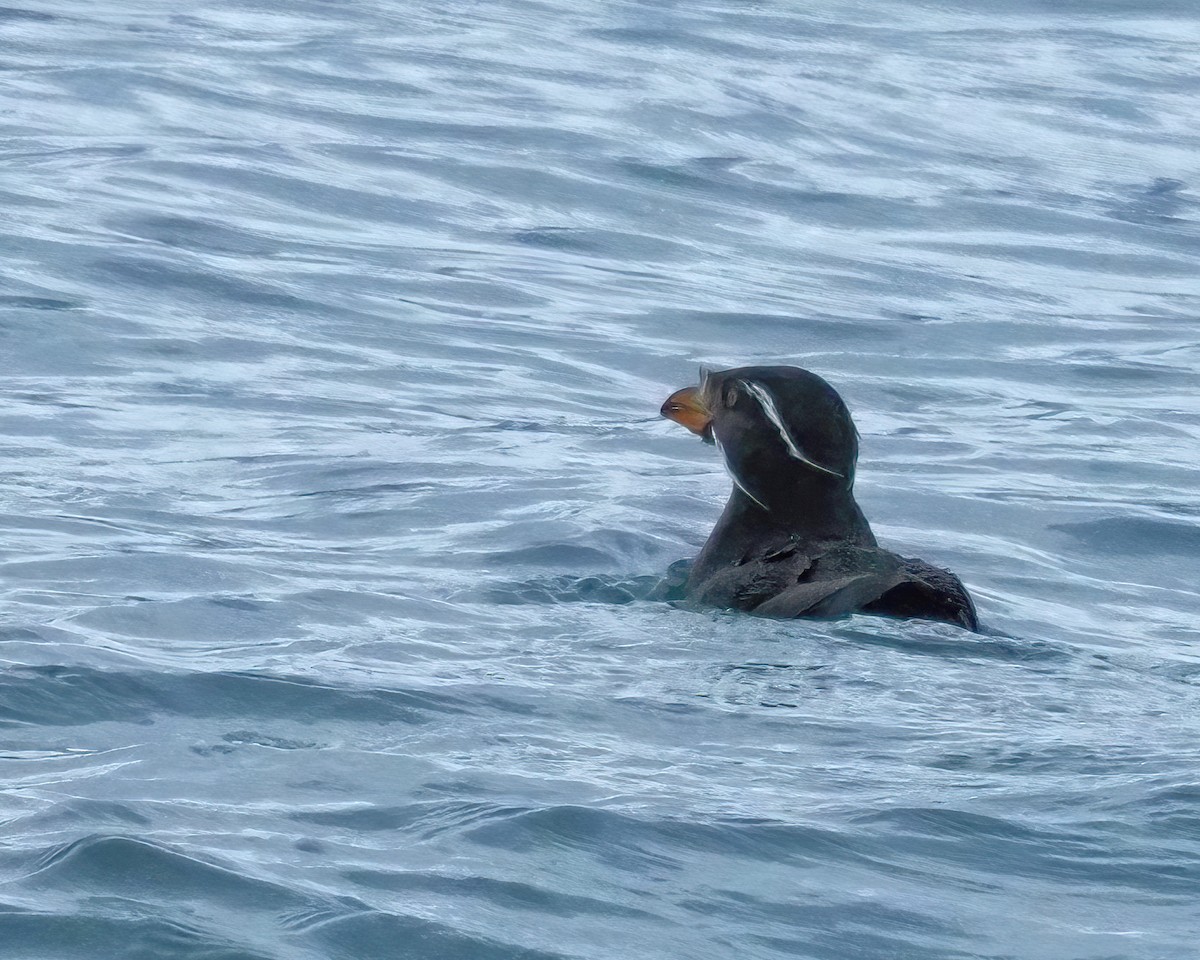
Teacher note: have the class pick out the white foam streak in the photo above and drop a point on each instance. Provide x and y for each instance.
(767, 402)
(734, 477)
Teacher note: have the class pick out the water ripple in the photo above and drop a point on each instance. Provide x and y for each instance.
(335, 498)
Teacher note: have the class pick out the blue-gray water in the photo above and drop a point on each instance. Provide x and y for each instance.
(331, 335)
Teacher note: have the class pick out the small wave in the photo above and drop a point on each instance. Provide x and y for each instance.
(425, 820)
(503, 893)
(632, 843)
(133, 867)
(985, 844)
(1136, 536)
(937, 640)
(48, 935)
(377, 934)
(566, 589)
(66, 696)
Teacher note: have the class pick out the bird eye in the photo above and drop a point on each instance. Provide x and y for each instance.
(731, 396)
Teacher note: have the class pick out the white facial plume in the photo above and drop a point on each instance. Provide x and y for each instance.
(767, 402)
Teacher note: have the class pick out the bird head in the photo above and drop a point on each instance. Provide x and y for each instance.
(780, 430)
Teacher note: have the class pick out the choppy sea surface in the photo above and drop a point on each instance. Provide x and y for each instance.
(332, 337)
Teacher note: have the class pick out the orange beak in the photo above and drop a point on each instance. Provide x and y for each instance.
(685, 407)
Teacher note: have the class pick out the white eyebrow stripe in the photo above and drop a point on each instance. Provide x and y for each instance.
(734, 477)
(767, 402)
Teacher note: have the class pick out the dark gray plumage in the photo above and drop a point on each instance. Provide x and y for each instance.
(792, 541)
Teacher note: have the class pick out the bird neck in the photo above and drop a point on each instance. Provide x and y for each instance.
(821, 516)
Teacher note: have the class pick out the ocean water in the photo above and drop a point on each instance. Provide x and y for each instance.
(332, 339)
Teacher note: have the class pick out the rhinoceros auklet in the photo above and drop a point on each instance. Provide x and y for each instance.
(792, 541)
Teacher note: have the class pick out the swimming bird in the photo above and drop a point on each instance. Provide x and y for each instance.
(792, 541)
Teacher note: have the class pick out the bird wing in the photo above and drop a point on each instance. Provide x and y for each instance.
(829, 598)
(928, 592)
